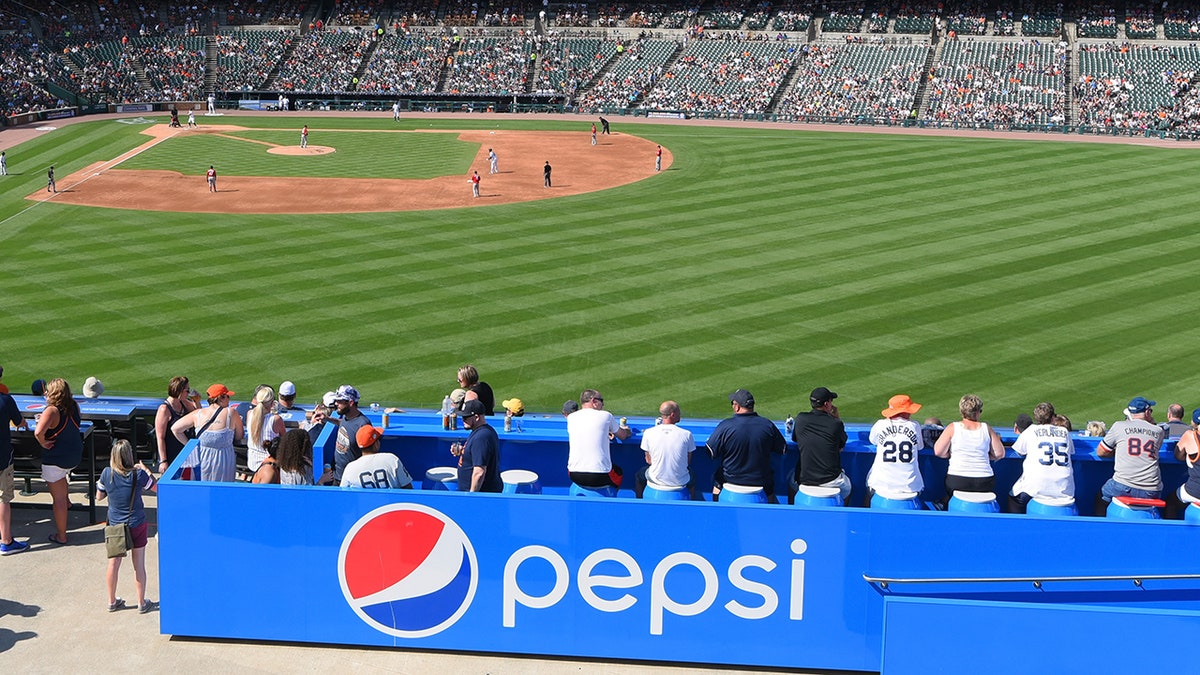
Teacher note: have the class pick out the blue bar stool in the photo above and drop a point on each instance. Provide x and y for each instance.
(815, 495)
(896, 501)
(520, 482)
(581, 491)
(441, 478)
(742, 494)
(1054, 507)
(1192, 513)
(1134, 508)
(974, 502)
(666, 493)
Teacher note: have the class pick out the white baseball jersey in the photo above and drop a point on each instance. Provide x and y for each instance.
(377, 470)
(1046, 471)
(895, 469)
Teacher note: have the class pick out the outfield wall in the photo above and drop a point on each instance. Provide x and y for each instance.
(753, 585)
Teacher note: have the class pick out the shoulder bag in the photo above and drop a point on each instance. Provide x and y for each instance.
(118, 538)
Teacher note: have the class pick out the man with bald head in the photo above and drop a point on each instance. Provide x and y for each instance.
(668, 449)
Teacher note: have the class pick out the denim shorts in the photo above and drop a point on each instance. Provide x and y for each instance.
(1115, 489)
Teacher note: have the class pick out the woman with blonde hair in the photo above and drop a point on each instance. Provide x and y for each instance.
(971, 446)
(217, 427)
(58, 433)
(176, 405)
(123, 484)
(262, 425)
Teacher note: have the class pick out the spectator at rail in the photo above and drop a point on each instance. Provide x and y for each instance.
(820, 436)
(479, 457)
(374, 469)
(742, 446)
(589, 430)
(668, 450)
(1175, 426)
(262, 425)
(62, 449)
(93, 387)
(1096, 429)
(295, 459)
(123, 483)
(170, 411)
(268, 469)
(898, 441)
(1022, 423)
(1046, 471)
(10, 418)
(1064, 422)
(468, 378)
(1187, 450)
(1133, 443)
(287, 398)
(217, 427)
(971, 446)
(315, 424)
(352, 419)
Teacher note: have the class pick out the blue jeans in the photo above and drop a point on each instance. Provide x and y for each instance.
(1114, 489)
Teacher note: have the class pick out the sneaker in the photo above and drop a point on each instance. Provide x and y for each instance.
(14, 547)
(116, 605)
(147, 607)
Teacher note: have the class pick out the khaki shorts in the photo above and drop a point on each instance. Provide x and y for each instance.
(53, 474)
(6, 485)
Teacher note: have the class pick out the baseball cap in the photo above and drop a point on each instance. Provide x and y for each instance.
(328, 399)
(897, 405)
(346, 393)
(743, 398)
(219, 390)
(514, 406)
(1196, 416)
(366, 436)
(39, 387)
(457, 397)
(472, 407)
(1139, 405)
(573, 406)
(821, 396)
(287, 389)
(93, 387)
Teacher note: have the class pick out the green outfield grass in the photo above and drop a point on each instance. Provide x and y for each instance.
(774, 260)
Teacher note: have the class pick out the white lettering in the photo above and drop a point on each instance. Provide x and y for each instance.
(512, 591)
(660, 601)
(588, 581)
(796, 610)
(770, 599)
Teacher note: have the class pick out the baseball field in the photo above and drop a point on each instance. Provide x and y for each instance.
(775, 259)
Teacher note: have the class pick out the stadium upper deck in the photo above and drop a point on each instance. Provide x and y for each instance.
(1129, 67)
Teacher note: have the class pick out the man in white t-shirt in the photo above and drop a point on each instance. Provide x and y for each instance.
(375, 469)
(897, 440)
(1046, 472)
(668, 449)
(589, 429)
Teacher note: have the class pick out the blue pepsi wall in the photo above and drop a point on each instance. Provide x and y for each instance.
(755, 585)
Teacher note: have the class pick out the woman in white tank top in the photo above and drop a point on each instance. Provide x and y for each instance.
(971, 446)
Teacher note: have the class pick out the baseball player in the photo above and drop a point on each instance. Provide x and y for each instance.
(494, 160)
(546, 174)
(51, 186)
(3, 164)
(658, 159)
(396, 111)
(212, 179)
(191, 119)
(604, 127)
(212, 104)
(593, 133)
(304, 137)
(475, 183)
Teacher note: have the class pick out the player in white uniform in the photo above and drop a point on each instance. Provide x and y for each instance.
(494, 161)
(897, 440)
(396, 111)
(1046, 472)
(374, 469)
(3, 164)
(212, 104)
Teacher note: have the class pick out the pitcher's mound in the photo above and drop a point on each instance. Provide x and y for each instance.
(297, 150)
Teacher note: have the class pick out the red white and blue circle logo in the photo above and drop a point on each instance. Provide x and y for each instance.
(408, 570)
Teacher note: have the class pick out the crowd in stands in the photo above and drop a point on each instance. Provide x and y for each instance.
(22, 65)
(637, 67)
(565, 64)
(856, 79)
(723, 77)
(405, 13)
(1003, 84)
(264, 12)
(489, 65)
(1133, 86)
(323, 62)
(245, 58)
(411, 63)
(610, 14)
(356, 12)
(512, 13)
(174, 67)
(1097, 21)
(573, 14)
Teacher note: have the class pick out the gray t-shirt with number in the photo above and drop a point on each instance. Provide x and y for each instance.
(1135, 445)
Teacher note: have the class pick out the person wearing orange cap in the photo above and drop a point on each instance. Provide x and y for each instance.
(897, 440)
(374, 469)
(217, 428)
(820, 435)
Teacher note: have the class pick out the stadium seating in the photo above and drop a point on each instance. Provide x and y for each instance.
(633, 72)
(322, 62)
(488, 65)
(998, 83)
(852, 80)
(245, 58)
(566, 64)
(1133, 86)
(174, 66)
(723, 76)
(408, 63)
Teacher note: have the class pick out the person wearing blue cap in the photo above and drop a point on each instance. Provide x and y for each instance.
(1133, 443)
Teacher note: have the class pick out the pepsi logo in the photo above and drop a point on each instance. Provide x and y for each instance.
(407, 570)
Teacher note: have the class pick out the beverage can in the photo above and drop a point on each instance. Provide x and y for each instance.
(385, 420)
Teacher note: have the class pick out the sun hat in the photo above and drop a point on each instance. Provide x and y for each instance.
(900, 404)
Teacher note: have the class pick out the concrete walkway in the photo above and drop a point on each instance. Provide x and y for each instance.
(54, 619)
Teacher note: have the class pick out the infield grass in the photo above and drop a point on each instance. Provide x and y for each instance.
(775, 260)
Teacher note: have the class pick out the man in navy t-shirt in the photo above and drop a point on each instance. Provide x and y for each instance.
(479, 465)
(742, 447)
